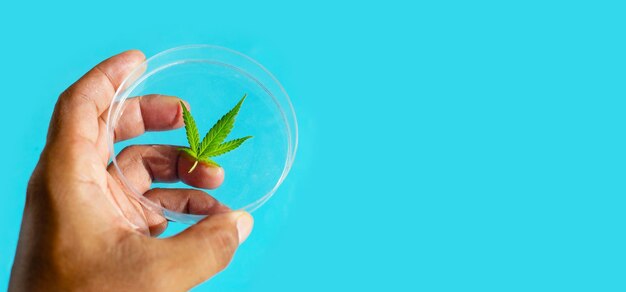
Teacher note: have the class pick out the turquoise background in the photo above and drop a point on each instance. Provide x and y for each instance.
(445, 145)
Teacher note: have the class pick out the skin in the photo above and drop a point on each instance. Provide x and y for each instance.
(81, 231)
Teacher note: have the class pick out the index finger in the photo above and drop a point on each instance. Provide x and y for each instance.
(152, 112)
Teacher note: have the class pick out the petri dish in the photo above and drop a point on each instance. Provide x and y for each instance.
(211, 80)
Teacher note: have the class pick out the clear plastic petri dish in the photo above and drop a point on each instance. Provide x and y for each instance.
(211, 80)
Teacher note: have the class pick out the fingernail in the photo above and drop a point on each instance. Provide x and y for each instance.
(244, 226)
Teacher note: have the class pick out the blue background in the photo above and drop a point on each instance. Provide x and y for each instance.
(445, 145)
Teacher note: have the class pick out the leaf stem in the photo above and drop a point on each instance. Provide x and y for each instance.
(193, 167)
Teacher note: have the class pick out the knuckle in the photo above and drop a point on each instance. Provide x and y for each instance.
(73, 94)
(132, 152)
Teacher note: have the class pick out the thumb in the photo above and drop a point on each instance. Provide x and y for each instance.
(206, 248)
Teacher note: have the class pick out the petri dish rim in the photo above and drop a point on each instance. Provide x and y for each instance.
(209, 54)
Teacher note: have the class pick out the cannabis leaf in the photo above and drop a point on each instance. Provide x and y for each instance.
(211, 145)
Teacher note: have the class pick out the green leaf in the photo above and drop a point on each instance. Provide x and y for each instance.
(193, 136)
(220, 130)
(212, 144)
(226, 147)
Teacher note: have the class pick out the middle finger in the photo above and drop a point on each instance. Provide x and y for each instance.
(144, 164)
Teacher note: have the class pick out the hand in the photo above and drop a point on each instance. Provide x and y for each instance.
(81, 230)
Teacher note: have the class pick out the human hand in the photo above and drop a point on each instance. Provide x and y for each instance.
(81, 230)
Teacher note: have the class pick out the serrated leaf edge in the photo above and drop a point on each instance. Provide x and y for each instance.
(193, 135)
(218, 133)
(226, 147)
